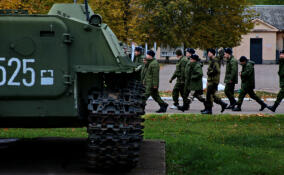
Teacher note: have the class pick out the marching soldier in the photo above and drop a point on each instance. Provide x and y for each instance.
(194, 80)
(231, 76)
(179, 75)
(248, 84)
(213, 82)
(138, 57)
(188, 53)
(150, 79)
(281, 77)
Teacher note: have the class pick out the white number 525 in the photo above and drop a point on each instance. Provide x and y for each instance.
(26, 70)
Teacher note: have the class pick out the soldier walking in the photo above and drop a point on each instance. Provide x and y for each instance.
(138, 57)
(213, 73)
(248, 84)
(231, 76)
(179, 75)
(150, 79)
(280, 95)
(188, 53)
(194, 80)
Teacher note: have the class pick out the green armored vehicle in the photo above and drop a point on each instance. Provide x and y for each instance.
(67, 69)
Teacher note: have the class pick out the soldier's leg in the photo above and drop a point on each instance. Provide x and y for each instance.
(218, 100)
(186, 94)
(147, 94)
(198, 96)
(156, 96)
(257, 99)
(209, 97)
(242, 95)
(175, 94)
(229, 92)
(279, 99)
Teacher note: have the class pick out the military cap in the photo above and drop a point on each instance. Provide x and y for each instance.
(151, 53)
(213, 51)
(195, 57)
(243, 59)
(190, 50)
(138, 49)
(228, 51)
(178, 52)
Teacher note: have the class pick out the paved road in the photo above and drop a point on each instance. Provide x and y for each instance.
(249, 107)
(266, 77)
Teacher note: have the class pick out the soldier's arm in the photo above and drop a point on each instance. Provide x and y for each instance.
(234, 70)
(197, 73)
(155, 74)
(214, 70)
(174, 76)
(248, 71)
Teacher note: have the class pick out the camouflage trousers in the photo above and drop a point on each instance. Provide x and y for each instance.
(280, 96)
(211, 95)
(229, 92)
(154, 93)
(178, 91)
(252, 95)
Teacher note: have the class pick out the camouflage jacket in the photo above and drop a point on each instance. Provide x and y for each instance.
(248, 80)
(213, 71)
(138, 59)
(195, 76)
(150, 74)
(180, 70)
(231, 75)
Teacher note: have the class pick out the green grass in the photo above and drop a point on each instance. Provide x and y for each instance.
(201, 145)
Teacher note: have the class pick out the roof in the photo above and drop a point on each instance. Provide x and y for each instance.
(271, 14)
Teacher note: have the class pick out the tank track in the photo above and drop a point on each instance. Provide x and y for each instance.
(115, 130)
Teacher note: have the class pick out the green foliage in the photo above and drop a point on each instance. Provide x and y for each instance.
(196, 23)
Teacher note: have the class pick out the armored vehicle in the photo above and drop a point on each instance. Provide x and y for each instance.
(67, 69)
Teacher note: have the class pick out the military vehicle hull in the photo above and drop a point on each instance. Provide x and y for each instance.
(59, 70)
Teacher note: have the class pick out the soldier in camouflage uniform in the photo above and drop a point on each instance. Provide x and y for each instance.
(188, 53)
(213, 82)
(231, 76)
(138, 57)
(194, 79)
(150, 79)
(179, 75)
(248, 84)
(281, 77)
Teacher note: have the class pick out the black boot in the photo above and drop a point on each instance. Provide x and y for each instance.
(224, 106)
(163, 108)
(263, 106)
(273, 108)
(208, 111)
(183, 108)
(237, 109)
(232, 105)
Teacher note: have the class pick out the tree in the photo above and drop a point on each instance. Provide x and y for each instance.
(196, 23)
(120, 15)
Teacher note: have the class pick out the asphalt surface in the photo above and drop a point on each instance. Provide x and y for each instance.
(54, 156)
(266, 77)
(248, 107)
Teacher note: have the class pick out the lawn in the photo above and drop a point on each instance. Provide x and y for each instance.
(197, 145)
